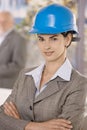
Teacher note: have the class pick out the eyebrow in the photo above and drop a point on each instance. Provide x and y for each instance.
(53, 36)
(49, 37)
(39, 36)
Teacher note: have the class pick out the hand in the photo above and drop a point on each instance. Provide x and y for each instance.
(55, 124)
(11, 110)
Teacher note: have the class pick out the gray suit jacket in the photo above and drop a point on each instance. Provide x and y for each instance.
(84, 126)
(61, 99)
(12, 58)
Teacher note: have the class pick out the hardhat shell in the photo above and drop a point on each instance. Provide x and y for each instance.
(54, 19)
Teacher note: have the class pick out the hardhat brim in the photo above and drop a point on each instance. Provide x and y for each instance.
(51, 30)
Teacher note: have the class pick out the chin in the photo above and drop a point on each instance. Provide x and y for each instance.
(50, 60)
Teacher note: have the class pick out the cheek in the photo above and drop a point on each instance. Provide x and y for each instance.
(60, 47)
(1, 27)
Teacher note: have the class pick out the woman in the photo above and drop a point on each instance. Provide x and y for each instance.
(51, 96)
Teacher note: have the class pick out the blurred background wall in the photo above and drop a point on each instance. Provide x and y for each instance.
(24, 11)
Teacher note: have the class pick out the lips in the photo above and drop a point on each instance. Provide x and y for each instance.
(49, 53)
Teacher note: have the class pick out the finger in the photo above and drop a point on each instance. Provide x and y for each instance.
(14, 110)
(11, 114)
(6, 111)
(63, 121)
(62, 128)
(16, 113)
(14, 107)
(11, 107)
(65, 125)
(9, 110)
(60, 125)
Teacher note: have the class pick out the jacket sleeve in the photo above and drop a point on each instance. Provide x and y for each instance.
(10, 123)
(73, 107)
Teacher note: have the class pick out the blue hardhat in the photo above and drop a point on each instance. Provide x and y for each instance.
(54, 19)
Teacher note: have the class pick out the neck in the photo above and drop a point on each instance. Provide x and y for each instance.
(52, 67)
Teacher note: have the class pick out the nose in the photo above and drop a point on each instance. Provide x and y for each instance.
(47, 45)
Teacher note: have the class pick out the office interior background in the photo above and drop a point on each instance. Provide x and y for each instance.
(24, 11)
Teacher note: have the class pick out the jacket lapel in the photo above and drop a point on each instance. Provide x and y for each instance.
(31, 89)
(52, 87)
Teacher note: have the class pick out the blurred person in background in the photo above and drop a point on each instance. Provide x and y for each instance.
(12, 51)
(51, 96)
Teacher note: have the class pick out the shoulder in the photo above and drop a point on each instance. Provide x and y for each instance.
(78, 81)
(22, 77)
(76, 75)
(26, 70)
(18, 36)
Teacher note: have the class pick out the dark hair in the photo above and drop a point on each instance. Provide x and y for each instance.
(74, 36)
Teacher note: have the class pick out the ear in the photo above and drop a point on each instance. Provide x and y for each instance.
(68, 39)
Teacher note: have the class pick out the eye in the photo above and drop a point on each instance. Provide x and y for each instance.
(54, 38)
(40, 39)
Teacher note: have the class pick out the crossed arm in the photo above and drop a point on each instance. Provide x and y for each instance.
(72, 110)
(10, 109)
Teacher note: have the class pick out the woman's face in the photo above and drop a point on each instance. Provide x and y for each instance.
(53, 47)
